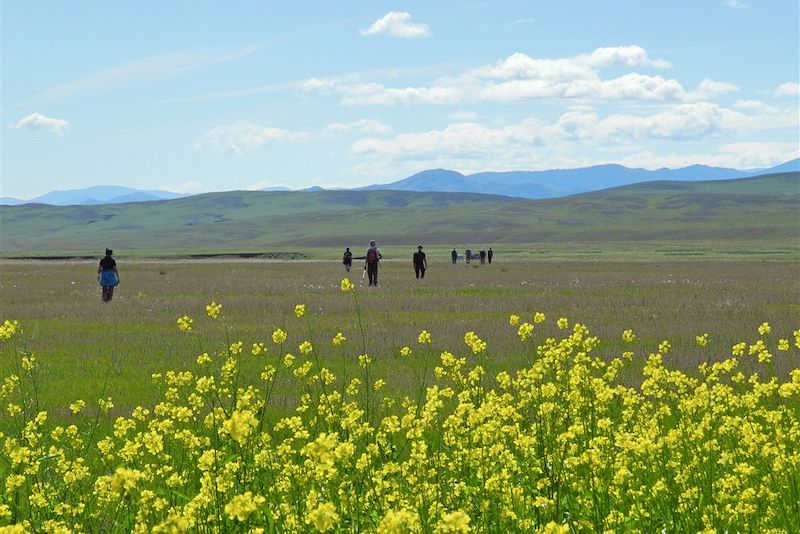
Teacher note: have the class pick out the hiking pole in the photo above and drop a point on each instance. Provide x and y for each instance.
(364, 272)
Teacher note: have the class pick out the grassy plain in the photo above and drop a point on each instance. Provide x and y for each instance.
(87, 349)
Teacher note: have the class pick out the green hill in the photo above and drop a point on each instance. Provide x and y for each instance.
(759, 208)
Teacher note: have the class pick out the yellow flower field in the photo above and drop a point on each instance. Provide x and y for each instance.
(562, 445)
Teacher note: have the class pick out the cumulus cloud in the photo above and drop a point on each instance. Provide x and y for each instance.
(521, 77)
(244, 136)
(695, 121)
(396, 24)
(753, 155)
(787, 89)
(37, 121)
(362, 125)
(755, 106)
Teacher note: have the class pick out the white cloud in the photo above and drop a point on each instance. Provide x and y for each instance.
(521, 77)
(787, 89)
(265, 184)
(573, 133)
(396, 24)
(736, 4)
(362, 125)
(733, 155)
(244, 136)
(755, 106)
(192, 186)
(37, 121)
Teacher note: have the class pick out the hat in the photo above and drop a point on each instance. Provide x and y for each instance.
(372, 243)
(109, 252)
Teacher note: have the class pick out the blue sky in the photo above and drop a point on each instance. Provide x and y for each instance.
(209, 96)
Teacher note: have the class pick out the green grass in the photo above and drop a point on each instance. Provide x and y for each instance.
(699, 218)
(87, 349)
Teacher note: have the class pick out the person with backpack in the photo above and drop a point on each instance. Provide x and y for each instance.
(371, 262)
(482, 255)
(454, 256)
(107, 275)
(420, 263)
(489, 255)
(468, 255)
(347, 259)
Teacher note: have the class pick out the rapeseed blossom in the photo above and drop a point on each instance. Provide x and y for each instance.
(562, 323)
(214, 310)
(628, 336)
(538, 317)
(405, 351)
(279, 336)
(701, 340)
(299, 310)
(424, 337)
(306, 348)
(764, 329)
(513, 320)
(242, 506)
(185, 323)
(323, 517)
(347, 285)
(338, 339)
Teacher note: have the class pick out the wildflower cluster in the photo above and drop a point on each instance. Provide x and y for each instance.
(563, 445)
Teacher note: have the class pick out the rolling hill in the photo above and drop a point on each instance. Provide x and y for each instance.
(764, 207)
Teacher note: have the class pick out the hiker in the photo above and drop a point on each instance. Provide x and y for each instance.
(482, 254)
(347, 259)
(468, 255)
(107, 275)
(420, 263)
(489, 255)
(371, 262)
(454, 256)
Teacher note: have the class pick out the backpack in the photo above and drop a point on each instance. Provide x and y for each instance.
(372, 256)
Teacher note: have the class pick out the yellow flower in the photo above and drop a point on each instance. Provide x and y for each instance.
(378, 385)
(240, 425)
(258, 348)
(783, 344)
(513, 320)
(538, 317)
(236, 348)
(796, 335)
(628, 336)
(457, 521)
(347, 285)
(562, 323)
(764, 329)
(554, 528)
(106, 405)
(185, 323)
(475, 343)
(203, 359)
(738, 349)
(424, 337)
(299, 310)
(525, 331)
(399, 522)
(306, 348)
(701, 341)
(664, 347)
(405, 351)
(77, 406)
(323, 517)
(288, 360)
(364, 360)
(8, 329)
(28, 362)
(279, 336)
(338, 339)
(214, 310)
(242, 506)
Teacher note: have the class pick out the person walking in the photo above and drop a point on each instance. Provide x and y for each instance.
(107, 275)
(371, 262)
(468, 255)
(489, 255)
(482, 255)
(420, 263)
(347, 259)
(454, 256)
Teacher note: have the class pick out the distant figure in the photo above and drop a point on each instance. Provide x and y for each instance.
(489, 255)
(467, 255)
(347, 259)
(107, 275)
(483, 256)
(420, 263)
(371, 262)
(454, 256)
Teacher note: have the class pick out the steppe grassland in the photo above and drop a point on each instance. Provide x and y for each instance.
(87, 349)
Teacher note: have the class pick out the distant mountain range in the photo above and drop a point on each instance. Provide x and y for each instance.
(563, 182)
(99, 194)
(523, 184)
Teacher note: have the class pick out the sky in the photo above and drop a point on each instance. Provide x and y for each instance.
(196, 96)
